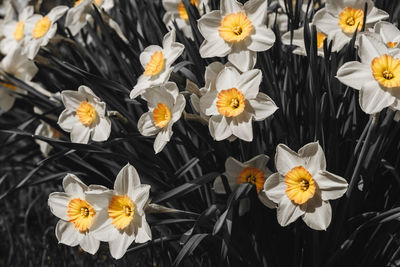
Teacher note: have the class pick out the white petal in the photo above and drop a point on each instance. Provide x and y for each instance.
(6, 100)
(214, 48)
(102, 130)
(326, 21)
(275, 187)
(261, 107)
(354, 74)
(140, 195)
(218, 185)
(67, 120)
(72, 99)
(147, 53)
(287, 212)
(80, 133)
(318, 215)
(90, 244)
(208, 103)
(74, 186)
(232, 169)
(228, 78)
(313, 157)
(370, 48)
(58, 203)
(259, 162)
(230, 6)
(67, 234)
(339, 40)
(178, 108)
(387, 31)
(332, 186)
(242, 58)
(262, 196)
(173, 52)
(256, 10)
(119, 246)
(219, 127)
(208, 25)
(56, 13)
(249, 83)
(286, 159)
(241, 126)
(127, 180)
(102, 228)
(161, 94)
(262, 40)
(99, 196)
(146, 125)
(144, 232)
(211, 74)
(376, 15)
(373, 98)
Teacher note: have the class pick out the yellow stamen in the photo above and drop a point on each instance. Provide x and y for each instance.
(235, 27)
(41, 27)
(391, 44)
(122, 211)
(253, 176)
(320, 39)
(300, 185)
(386, 71)
(19, 31)
(81, 214)
(155, 65)
(8, 86)
(161, 115)
(351, 18)
(231, 102)
(86, 113)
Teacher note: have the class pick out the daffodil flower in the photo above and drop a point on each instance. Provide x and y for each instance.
(302, 187)
(388, 33)
(298, 40)
(40, 29)
(235, 103)
(341, 18)
(78, 16)
(253, 171)
(157, 62)
(76, 214)
(13, 31)
(122, 219)
(176, 12)
(165, 108)
(237, 31)
(84, 116)
(377, 76)
(16, 64)
(45, 130)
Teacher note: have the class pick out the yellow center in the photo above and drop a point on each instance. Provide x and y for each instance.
(300, 185)
(122, 211)
(391, 44)
(81, 214)
(351, 19)
(231, 102)
(41, 27)
(235, 27)
(161, 115)
(96, 2)
(182, 10)
(155, 65)
(320, 39)
(86, 113)
(8, 86)
(386, 71)
(19, 31)
(253, 176)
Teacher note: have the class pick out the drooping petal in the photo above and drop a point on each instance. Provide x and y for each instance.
(318, 215)
(162, 138)
(241, 126)
(90, 244)
(58, 203)
(287, 212)
(274, 187)
(67, 234)
(127, 180)
(373, 98)
(354, 74)
(80, 133)
(144, 232)
(119, 246)
(332, 186)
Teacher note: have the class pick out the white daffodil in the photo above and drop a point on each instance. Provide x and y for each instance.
(253, 171)
(377, 76)
(235, 103)
(16, 64)
(176, 12)
(298, 40)
(45, 130)
(280, 18)
(157, 62)
(302, 186)
(78, 16)
(388, 33)
(341, 18)
(39, 30)
(77, 215)
(13, 31)
(122, 218)
(165, 108)
(84, 116)
(237, 31)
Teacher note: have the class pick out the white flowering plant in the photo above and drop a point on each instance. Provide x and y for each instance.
(199, 133)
